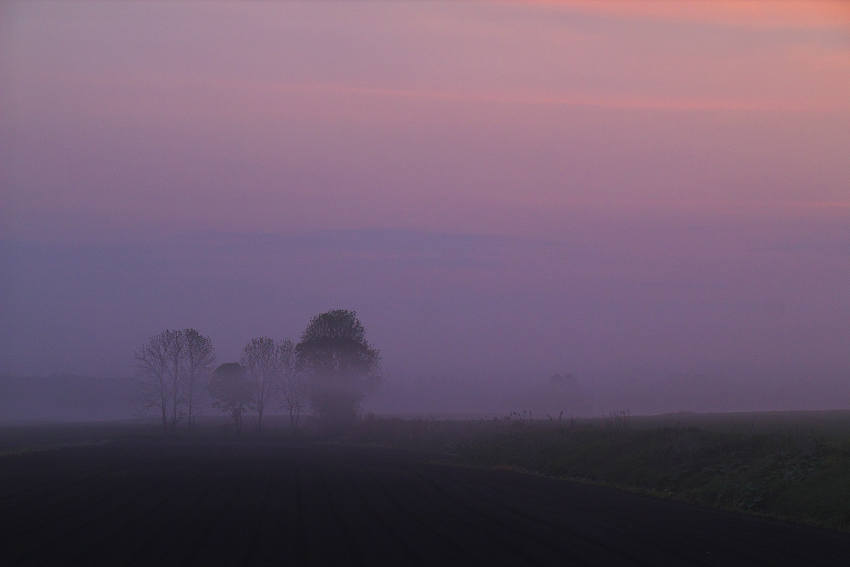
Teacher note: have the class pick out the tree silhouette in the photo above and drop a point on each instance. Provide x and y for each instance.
(293, 392)
(199, 357)
(171, 362)
(152, 362)
(231, 391)
(260, 360)
(175, 350)
(339, 364)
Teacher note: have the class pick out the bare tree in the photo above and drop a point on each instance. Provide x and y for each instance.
(152, 361)
(260, 360)
(199, 358)
(171, 363)
(175, 351)
(291, 381)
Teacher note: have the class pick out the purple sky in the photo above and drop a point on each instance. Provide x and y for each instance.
(506, 189)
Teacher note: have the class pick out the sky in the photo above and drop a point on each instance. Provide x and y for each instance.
(500, 189)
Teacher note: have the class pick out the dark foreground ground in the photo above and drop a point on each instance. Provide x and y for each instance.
(251, 503)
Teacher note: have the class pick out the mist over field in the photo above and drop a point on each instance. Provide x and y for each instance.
(503, 192)
(735, 317)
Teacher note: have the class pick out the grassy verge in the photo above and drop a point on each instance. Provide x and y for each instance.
(799, 473)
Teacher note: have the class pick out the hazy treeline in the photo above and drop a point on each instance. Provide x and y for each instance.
(329, 371)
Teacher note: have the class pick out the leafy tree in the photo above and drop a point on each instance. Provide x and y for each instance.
(260, 360)
(339, 364)
(232, 391)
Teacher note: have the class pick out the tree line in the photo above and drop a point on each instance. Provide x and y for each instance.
(330, 370)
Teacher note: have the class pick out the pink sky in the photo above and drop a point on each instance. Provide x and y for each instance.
(680, 158)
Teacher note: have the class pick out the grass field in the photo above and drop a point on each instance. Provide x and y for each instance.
(792, 465)
(135, 497)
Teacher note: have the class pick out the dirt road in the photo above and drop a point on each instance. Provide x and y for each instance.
(262, 503)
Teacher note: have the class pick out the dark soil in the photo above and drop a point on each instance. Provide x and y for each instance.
(252, 502)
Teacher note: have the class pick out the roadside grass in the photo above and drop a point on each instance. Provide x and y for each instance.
(797, 469)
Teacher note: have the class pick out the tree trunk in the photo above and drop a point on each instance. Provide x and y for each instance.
(163, 403)
(174, 408)
(191, 418)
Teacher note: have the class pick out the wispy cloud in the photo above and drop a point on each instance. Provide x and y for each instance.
(600, 101)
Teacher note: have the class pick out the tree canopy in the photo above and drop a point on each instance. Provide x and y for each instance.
(340, 364)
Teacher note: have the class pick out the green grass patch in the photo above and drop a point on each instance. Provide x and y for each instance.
(799, 470)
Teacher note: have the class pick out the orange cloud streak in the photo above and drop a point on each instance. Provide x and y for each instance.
(759, 13)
